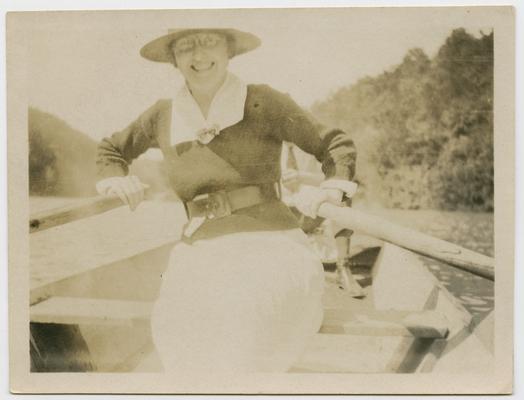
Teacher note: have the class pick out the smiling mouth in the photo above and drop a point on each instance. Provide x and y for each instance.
(203, 69)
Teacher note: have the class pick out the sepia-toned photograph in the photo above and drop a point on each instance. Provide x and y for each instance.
(313, 200)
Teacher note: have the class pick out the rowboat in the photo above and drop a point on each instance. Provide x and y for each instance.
(95, 297)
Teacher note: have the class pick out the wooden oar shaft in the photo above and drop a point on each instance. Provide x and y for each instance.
(410, 239)
(62, 215)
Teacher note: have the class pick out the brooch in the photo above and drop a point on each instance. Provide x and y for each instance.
(206, 135)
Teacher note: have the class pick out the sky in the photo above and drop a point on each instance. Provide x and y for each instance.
(85, 67)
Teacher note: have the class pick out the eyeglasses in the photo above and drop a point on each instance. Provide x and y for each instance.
(189, 43)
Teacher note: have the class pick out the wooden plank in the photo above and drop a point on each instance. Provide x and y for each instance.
(332, 353)
(424, 324)
(135, 278)
(83, 311)
(418, 242)
(462, 352)
(412, 355)
(70, 310)
(485, 332)
(400, 281)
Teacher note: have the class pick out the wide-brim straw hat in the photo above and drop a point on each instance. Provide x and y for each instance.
(160, 49)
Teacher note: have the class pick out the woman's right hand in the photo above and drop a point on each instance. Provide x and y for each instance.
(128, 188)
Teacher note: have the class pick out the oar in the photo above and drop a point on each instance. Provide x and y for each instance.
(80, 209)
(410, 239)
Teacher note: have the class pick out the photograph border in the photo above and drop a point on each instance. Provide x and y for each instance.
(21, 381)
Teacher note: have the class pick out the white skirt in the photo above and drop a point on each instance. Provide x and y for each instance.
(242, 302)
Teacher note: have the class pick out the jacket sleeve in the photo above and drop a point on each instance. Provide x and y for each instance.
(334, 148)
(115, 153)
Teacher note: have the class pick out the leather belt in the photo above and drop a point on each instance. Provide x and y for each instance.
(223, 203)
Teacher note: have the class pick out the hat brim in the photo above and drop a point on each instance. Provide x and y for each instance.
(159, 50)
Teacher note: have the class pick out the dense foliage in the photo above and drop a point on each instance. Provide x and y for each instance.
(424, 129)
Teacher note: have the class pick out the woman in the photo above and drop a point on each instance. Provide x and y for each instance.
(242, 291)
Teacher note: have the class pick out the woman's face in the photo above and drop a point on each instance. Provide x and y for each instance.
(202, 58)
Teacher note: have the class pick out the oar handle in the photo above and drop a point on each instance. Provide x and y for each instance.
(350, 218)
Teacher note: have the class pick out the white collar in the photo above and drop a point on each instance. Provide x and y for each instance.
(227, 108)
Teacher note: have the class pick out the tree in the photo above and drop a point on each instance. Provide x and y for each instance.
(426, 126)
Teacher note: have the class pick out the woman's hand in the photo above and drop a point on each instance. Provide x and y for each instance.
(128, 188)
(309, 198)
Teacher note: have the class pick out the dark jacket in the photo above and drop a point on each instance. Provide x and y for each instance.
(243, 154)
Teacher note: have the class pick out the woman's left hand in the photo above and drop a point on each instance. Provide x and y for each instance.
(309, 198)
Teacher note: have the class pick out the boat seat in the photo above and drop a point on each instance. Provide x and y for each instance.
(87, 311)
(426, 324)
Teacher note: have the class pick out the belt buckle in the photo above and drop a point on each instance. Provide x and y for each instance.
(215, 205)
